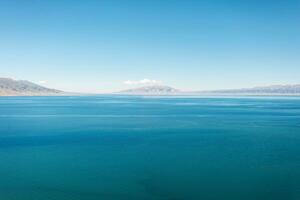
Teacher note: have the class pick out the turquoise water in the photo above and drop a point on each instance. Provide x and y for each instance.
(150, 148)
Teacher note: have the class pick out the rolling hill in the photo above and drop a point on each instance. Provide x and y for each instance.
(11, 87)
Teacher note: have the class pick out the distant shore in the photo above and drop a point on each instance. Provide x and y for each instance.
(146, 94)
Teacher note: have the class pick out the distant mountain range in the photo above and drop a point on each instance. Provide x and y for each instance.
(166, 90)
(152, 90)
(267, 90)
(10, 87)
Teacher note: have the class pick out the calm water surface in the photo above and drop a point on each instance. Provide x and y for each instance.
(132, 148)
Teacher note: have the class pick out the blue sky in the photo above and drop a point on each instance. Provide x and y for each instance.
(102, 46)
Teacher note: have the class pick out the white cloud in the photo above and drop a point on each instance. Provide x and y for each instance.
(142, 81)
(42, 82)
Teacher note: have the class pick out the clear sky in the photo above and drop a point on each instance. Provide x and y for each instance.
(108, 45)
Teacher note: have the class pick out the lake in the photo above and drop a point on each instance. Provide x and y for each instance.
(151, 148)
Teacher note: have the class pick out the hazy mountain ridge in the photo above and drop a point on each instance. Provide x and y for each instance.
(152, 90)
(262, 90)
(273, 89)
(11, 87)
